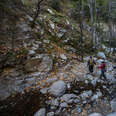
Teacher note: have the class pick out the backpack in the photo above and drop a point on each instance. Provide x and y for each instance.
(91, 62)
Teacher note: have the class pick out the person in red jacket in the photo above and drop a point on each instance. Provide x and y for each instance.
(103, 69)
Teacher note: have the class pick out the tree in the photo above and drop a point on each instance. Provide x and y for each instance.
(36, 13)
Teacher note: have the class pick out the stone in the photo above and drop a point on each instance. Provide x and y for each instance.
(30, 18)
(62, 56)
(60, 35)
(45, 64)
(44, 90)
(41, 112)
(54, 102)
(68, 97)
(90, 77)
(86, 94)
(95, 114)
(31, 52)
(101, 55)
(109, 76)
(94, 82)
(96, 96)
(31, 65)
(46, 41)
(64, 105)
(52, 25)
(50, 11)
(50, 114)
(58, 88)
(51, 80)
(113, 105)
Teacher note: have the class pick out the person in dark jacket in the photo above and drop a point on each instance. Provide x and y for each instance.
(103, 69)
(91, 64)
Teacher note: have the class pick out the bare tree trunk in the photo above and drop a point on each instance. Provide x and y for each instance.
(110, 25)
(81, 27)
(36, 13)
(90, 5)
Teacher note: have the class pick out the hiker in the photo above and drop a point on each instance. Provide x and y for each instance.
(103, 69)
(91, 64)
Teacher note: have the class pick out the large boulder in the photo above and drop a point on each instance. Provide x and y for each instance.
(41, 112)
(42, 64)
(58, 88)
(32, 65)
(95, 114)
(101, 55)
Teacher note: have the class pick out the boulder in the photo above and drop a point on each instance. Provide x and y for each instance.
(42, 64)
(31, 65)
(41, 112)
(95, 114)
(58, 88)
(101, 55)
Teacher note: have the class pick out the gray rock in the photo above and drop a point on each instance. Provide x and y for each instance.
(53, 108)
(55, 102)
(95, 114)
(96, 96)
(60, 34)
(31, 65)
(52, 25)
(46, 41)
(51, 80)
(58, 88)
(50, 11)
(101, 55)
(94, 81)
(41, 112)
(30, 18)
(44, 90)
(112, 114)
(62, 56)
(86, 94)
(68, 97)
(64, 105)
(77, 101)
(31, 52)
(50, 114)
(90, 77)
(113, 105)
(109, 76)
